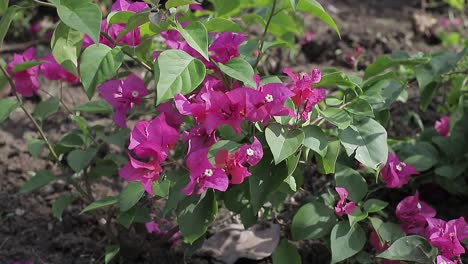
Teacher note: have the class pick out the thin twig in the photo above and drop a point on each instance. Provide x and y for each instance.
(31, 118)
(262, 39)
(42, 3)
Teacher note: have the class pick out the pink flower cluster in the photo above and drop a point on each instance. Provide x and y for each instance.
(442, 126)
(132, 38)
(122, 95)
(150, 142)
(211, 106)
(395, 174)
(27, 81)
(343, 207)
(418, 218)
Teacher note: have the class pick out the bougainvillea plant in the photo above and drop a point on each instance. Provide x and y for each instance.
(199, 124)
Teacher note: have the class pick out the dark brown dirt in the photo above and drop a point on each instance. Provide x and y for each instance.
(29, 232)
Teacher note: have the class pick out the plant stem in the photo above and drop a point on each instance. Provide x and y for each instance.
(42, 3)
(31, 118)
(142, 63)
(262, 39)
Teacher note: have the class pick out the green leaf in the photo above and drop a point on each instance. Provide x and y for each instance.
(337, 117)
(26, 65)
(410, 248)
(126, 218)
(374, 205)
(346, 241)
(118, 138)
(136, 20)
(60, 205)
(104, 202)
(161, 188)
(130, 196)
(357, 216)
(327, 164)
(388, 232)
(354, 183)
(196, 36)
(98, 64)
(458, 4)
(3, 7)
(429, 75)
(266, 178)
(194, 218)
(421, 155)
(315, 139)
(368, 140)
(176, 3)
(66, 46)
(360, 107)
(294, 4)
(177, 72)
(282, 141)
(313, 220)
(80, 15)
(46, 108)
(79, 159)
(119, 17)
(35, 147)
(6, 21)
(225, 8)
(387, 61)
(218, 24)
(72, 140)
(7, 106)
(111, 252)
(41, 179)
(314, 8)
(286, 253)
(239, 69)
(95, 107)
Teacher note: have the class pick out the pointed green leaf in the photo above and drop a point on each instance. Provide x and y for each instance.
(6, 21)
(130, 196)
(79, 159)
(41, 179)
(177, 72)
(111, 252)
(106, 201)
(98, 64)
(239, 69)
(315, 139)
(314, 8)
(60, 205)
(368, 139)
(286, 253)
(80, 15)
(7, 106)
(282, 141)
(196, 214)
(313, 220)
(346, 241)
(410, 248)
(196, 36)
(46, 108)
(66, 46)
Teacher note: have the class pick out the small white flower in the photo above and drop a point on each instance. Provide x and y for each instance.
(399, 167)
(208, 172)
(135, 93)
(419, 206)
(269, 98)
(250, 152)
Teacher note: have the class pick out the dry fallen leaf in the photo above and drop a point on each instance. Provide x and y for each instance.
(234, 242)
